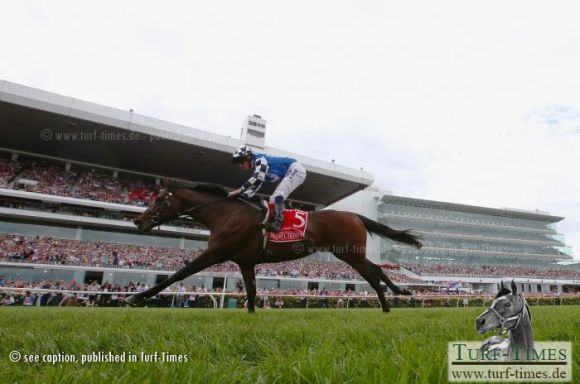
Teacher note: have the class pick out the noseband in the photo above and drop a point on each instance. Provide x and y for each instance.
(156, 218)
(504, 320)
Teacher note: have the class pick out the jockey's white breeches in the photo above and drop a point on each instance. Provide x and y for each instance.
(294, 177)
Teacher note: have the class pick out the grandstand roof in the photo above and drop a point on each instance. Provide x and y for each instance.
(45, 123)
(519, 214)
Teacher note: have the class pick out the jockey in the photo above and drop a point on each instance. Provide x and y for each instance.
(283, 170)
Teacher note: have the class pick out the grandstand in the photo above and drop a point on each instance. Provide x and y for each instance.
(73, 175)
(475, 246)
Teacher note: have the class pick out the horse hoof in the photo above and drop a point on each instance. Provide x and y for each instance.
(134, 301)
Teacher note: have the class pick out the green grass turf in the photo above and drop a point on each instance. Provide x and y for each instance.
(274, 346)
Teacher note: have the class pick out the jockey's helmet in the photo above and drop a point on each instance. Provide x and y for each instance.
(241, 154)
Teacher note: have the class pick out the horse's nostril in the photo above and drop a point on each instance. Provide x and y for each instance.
(481, 321)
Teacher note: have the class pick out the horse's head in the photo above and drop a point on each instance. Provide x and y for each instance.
(166, 207)
(175, 200)
(504, 313)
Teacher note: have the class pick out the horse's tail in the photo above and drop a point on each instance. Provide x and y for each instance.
(382, 230)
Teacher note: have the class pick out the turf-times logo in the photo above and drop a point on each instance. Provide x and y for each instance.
(545, 362)
(513, 355)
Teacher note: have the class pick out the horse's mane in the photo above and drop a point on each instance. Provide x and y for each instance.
(215, 189)
(503, 292)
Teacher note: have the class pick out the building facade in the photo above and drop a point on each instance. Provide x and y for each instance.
(459, 233)
(456, 233)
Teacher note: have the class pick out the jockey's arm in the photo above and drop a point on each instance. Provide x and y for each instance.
(255, 182)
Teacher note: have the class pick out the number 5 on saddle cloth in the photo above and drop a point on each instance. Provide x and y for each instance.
(293, 226)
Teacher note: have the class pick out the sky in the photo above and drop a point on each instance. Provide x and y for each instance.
(472, 102)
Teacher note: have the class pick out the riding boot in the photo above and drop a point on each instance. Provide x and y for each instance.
(276, 223)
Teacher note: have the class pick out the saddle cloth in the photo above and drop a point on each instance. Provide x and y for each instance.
(293, 226)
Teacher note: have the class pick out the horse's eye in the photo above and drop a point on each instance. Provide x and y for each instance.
(508, 305)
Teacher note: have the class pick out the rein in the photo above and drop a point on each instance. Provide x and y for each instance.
(156, 219)
(187, 212)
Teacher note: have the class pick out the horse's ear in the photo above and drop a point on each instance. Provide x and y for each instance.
(514, 288)
(169, 184)
(502, 291)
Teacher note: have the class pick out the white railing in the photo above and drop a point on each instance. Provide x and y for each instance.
(422, 299)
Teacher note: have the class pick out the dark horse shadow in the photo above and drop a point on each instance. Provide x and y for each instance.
(235, 227)
(509, 313)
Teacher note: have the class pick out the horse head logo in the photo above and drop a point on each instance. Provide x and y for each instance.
(508, 313)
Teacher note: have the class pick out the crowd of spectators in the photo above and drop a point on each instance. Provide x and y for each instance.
(314, 269)
(457, 269)
(53, 179)
(93, 286)
(47, 250)
(317, 269)
(91, 294)
(95, 186)
(107, 295)
(94, 297)
(91, 212)
(8, 170)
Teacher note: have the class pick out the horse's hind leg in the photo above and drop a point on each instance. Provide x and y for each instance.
(363, 267)
(396, 290)
(249, 275)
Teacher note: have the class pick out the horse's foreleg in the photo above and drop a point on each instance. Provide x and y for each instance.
(203, 261)
(249, 275)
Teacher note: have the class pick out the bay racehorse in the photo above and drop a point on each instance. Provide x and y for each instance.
(235, 227)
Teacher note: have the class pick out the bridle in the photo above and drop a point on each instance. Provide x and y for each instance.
(166, 202)
(503, 320)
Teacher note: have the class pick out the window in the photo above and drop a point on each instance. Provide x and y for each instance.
(255, 133)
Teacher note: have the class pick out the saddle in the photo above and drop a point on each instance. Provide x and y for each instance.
(293, 225)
